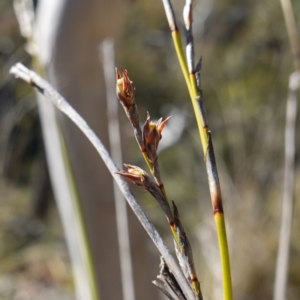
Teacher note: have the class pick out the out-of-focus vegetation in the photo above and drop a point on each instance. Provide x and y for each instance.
(34, 263)
(246, 65)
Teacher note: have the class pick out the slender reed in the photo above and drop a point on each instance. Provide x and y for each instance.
(192, 78)
(56, 99)
(108, 59)
(282, 265)
(291, 27)
(63, 183)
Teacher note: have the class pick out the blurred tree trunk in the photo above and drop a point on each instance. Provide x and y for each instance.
(70, 54)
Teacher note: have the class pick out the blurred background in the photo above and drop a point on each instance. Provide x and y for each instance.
(246, 65)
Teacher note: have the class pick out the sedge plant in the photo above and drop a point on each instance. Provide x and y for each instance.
(148, 139)
(175, 282)
(193, 82)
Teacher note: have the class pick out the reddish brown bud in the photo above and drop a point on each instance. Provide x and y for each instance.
(124, 88)
(152, 135)
(139, 177)
(135, 174)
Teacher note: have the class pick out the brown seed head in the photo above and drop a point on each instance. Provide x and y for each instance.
(135, 174)
(152, 132)
(124, 88)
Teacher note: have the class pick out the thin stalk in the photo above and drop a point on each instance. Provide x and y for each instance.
(180, 55)
(68, 200)
(222, 239)
(291, 27)
(68, 203)
(108, 56)
(197, 103)
(86, 252)
(62, 179)
(216, 198)
(148, 162)
(56, 99)
(215, 192)
(154, 167)
(190, 84)
(214, 186)
(282, 265)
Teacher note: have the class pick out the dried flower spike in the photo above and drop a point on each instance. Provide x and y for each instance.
(135, 174)
(124, 88)
(139, 177)
(126, 94)
(152, 136)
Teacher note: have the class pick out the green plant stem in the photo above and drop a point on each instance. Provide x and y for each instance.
(203, 130)
(222, 238)
(191, 87)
